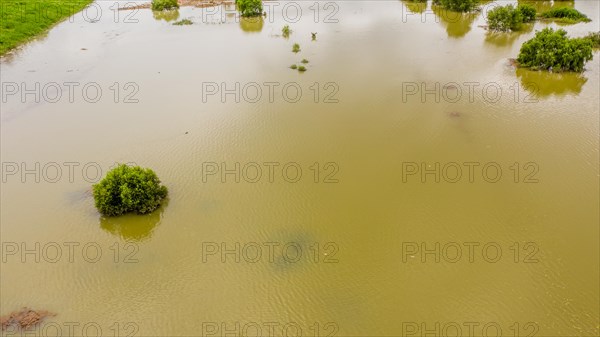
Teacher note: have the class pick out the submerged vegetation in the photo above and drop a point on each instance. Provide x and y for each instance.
(21, 21)
(161, 5)
(555, 51)
(296, 48)
(285, 31)
(250, 7)
(457, 5)
(293, 66)
(305, 61)
(128, 189)
(509, 18)
(301, 69)
(595, 39)
(183, 22)
(565, 15)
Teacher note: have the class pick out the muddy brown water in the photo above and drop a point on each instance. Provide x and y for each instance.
(337, 225)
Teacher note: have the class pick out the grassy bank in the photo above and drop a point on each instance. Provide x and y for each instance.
(22, 20)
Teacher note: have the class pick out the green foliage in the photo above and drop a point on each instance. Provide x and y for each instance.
(528, 12)
(21, 20)
(555, 51)
(161, 5)
(565, 14)
(296, 48)
(301, 69)
(285, 31)
(457, 5)
(250, 7)
(305, 61)
(183, 22)
(594, 38)
(293, 66)
(128, 189)
(504, 19)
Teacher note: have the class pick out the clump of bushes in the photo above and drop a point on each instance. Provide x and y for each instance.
(566, 15)
(457, 5)
(555, 51)
(161, 5)
(285, 31)
(128, 189)
(183, 22)
(250, 7)
(594, 38)
(296, 48)
(509, 18)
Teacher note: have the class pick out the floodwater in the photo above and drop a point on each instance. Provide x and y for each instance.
(418, 183)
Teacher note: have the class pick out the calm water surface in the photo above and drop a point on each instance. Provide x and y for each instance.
(534, 233)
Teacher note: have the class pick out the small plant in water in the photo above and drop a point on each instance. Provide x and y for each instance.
(293, 66)
(595, 38)
(161, 5)
(314, 36)
(305, 61)
(565, 15)
(301, 69)
(183, 22)
(285, 31)
(128, 189)
(296, 48)
(250, 7)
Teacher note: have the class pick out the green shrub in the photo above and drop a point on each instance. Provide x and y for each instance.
(565, 14)
(293, 66)
(250, 7)
(183, 22)
(301, 69)
(286, 31)
(305, 61)
(296, 48)
(457, 5)
(128, 189)
(555, 51)
(528, 12)
(594, 38)
(161, 5)
(504, 19)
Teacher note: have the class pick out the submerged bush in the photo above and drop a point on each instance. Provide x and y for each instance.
(293, 66)
(285, 31)
(301, 69)
(504, 19)
(594, 38)
(305, 61)
(555, 51)
(296, 48)
(569, 15)
(183, 22)
(250, 7)
(128, 189)
(528, 12)
(161, 5)
(457, 5)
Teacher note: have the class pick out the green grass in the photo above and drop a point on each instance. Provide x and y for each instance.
(565, 15)
(22, 20)
(183, 22)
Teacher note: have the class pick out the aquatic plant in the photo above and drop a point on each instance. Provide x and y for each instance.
(250, 7)
(128, 189)
(296, 48)
(457, 5)
(504, 19)
(595, 38)
(285, 31)
(301, 69)
(314, 36)
(565, 15)
(161, 5)
(293, 66)
(555, 51)
(183, 22)
(528, 12)
(305, 61)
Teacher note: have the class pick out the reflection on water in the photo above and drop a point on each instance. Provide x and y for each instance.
(166, 15)
(501, 39)
(252, 24)
(415, 6)
(544, 84)
(457, 24)
(133, 227)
